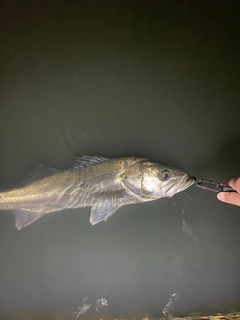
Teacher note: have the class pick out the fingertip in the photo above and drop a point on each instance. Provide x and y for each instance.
(221, 196)
(229, 197)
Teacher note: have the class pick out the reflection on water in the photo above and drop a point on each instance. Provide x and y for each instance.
(107, 316)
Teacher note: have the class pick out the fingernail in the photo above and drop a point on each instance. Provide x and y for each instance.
(220, 196)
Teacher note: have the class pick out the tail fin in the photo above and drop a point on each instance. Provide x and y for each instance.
(24, 218)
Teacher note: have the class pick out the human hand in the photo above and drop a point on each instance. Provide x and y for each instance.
(231, 197)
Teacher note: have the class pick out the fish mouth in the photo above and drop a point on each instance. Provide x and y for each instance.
(191, 179)
(186, 182)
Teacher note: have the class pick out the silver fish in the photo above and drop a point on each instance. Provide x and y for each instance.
(100, 183)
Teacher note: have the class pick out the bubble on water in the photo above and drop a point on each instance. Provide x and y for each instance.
(167, 310)
(97, 305)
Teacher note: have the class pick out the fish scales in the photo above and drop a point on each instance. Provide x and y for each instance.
(65, 182)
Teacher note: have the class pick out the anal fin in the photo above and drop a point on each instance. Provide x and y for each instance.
(23, 218)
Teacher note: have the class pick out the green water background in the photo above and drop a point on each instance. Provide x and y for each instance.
(158, 79)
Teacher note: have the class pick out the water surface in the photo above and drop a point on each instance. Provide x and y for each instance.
(121, 78)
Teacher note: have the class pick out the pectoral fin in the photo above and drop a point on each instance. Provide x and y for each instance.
(102, 211)
(112, 196)
(24, 218)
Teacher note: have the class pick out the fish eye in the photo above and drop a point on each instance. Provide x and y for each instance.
(165, 175)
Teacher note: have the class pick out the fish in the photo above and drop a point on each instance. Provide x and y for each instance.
(97, 182)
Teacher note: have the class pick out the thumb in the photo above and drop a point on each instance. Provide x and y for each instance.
(229, 197)
(235, 184)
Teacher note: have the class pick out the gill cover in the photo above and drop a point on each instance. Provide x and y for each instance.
(140, 179)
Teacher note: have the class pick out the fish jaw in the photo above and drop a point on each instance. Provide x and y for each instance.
(181, 183)
(184, 183)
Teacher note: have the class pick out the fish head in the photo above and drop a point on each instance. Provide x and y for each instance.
(163, 181)
(149, 180)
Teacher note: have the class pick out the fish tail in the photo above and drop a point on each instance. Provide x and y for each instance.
(23, 218)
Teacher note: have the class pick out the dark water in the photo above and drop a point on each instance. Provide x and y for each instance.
(158, 79)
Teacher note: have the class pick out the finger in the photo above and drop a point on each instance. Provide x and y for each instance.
(235, 184)
(229, 197)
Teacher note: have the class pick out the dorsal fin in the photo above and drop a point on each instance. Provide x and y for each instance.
(38, 173)
(86, 161)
